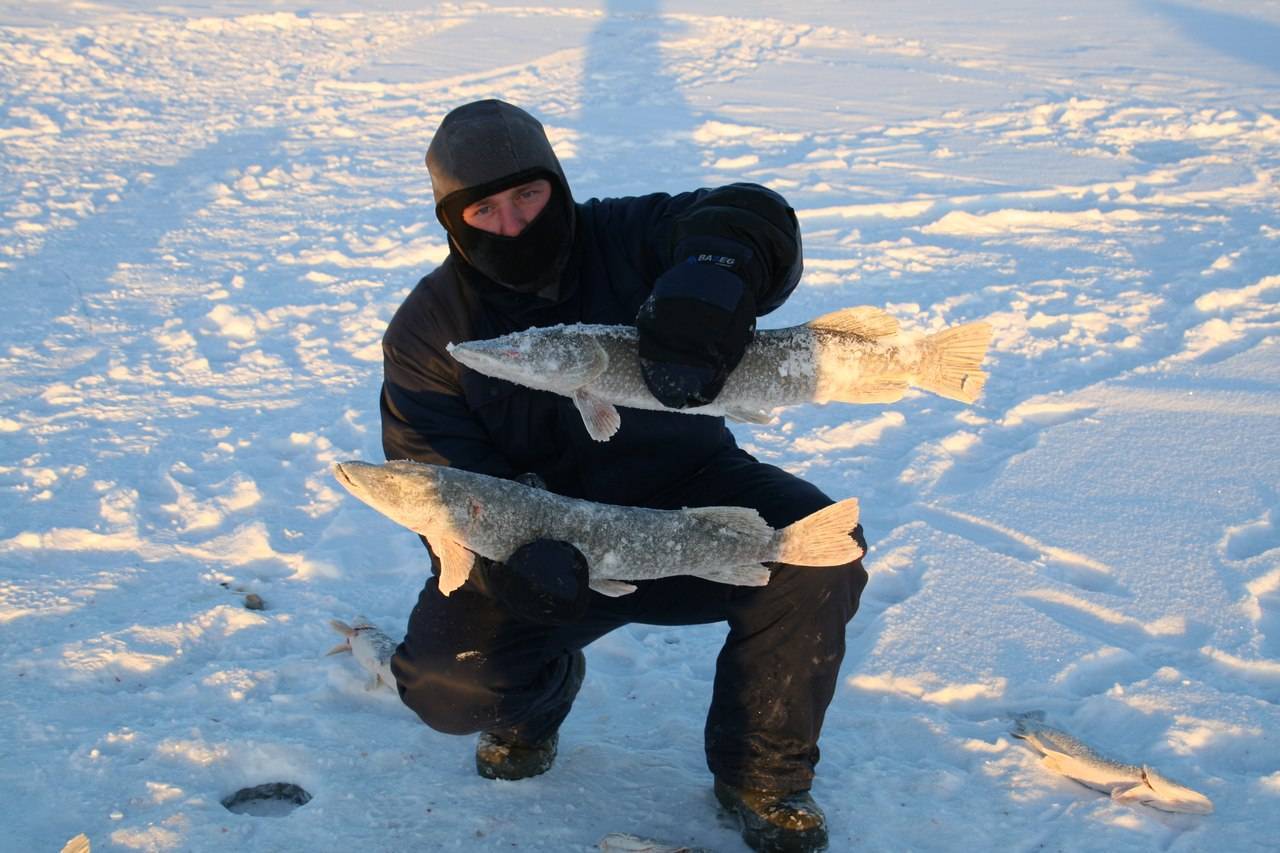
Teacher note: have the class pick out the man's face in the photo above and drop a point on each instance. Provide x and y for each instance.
(507, 213)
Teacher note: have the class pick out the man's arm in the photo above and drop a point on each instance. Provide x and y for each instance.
(425, 418)
(725, 256)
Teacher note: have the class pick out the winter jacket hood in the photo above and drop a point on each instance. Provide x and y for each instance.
(485, 147)
(484, 142)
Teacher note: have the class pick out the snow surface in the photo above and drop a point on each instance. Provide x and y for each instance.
(209, 211)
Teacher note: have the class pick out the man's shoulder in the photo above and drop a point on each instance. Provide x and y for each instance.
(612, 205)
(433, 311)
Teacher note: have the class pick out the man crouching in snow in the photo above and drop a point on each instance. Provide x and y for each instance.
(502, 655)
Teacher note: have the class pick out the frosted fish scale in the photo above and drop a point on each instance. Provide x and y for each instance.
(757, 382)
(839, 355)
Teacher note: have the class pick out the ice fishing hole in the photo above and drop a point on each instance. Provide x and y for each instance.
(274, 799)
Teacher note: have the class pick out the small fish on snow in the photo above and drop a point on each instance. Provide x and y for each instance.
(618, 842)
(855, 355)
(1126, 783)
(371, 648)
(463, 514)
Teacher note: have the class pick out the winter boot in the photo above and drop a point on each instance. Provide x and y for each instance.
(776, 822)
(504, 754)
(498, 757)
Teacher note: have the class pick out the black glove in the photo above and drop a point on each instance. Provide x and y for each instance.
(532, 480)
(695, 326)
(543, 581)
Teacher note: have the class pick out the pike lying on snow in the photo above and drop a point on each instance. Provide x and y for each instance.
(462, 514)
(1126, 783)
(850, 356)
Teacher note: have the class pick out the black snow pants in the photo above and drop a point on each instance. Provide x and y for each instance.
(466, 666)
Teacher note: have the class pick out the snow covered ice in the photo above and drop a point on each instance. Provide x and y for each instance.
(208, 214)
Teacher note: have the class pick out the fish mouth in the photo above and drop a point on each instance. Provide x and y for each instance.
(502, 362)
(342, 473)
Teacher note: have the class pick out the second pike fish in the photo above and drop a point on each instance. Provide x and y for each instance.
(852, 356)
(1126, 783)
(463, 514)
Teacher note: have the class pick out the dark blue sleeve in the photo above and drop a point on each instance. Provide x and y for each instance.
(425, 416)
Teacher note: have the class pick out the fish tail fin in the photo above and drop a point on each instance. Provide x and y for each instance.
(79, 844)
(823, 538)
(952, 360)
(345, 630)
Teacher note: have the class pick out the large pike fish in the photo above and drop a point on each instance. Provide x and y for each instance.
(1126, 783)
(852, 356)
(463, 514)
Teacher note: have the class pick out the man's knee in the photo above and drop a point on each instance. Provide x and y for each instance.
(440, 696)
(817, 591)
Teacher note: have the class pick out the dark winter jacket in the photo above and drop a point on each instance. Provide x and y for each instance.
(435, 410)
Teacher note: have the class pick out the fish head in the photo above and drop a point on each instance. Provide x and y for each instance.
(406, 492)
(1164, 793)
(552, 359)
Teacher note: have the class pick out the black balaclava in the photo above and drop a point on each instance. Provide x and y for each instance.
(486, 147)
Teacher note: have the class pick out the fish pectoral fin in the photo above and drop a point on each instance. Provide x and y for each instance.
(600, 418)
(341, 627)
(613, 589)
(867, 321)
(748, 574)
(1138, 792)
(749, 416)
(341, 648)
(455, 564)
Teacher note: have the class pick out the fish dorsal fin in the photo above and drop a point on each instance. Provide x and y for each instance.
(455, 564)
(865, 320)
(744, 521)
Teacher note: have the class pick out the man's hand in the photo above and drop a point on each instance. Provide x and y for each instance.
(694, 328)
(543, 581)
